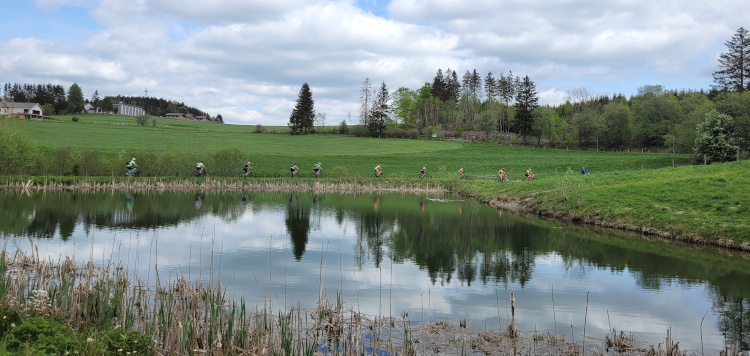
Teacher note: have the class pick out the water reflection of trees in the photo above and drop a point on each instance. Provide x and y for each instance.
(298, 224)
(42, 214)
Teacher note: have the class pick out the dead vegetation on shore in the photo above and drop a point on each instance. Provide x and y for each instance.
(226, 185)
(185, 318)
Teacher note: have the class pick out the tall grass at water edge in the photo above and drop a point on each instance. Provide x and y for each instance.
(100, 310)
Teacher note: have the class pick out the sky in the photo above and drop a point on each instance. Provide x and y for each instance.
(247, 59)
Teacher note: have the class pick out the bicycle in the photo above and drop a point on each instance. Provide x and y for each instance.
(294, 174)
(247, 174)
(375, 175)
(465, 176)
(504, 178)
(320, 174)
(135, 173)
(203, 173)
(424, 175)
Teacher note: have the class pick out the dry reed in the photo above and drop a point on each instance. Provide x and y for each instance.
(156, 185)
(196, 319)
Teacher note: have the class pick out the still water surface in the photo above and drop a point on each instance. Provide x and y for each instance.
(437, 258)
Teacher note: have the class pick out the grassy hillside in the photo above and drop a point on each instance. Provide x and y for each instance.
(630, 188)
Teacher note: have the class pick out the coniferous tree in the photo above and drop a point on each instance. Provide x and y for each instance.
(526, 102)
(439, 86)
(454, 86)
(380, 110)
(490, 87)
(303, 115)
(95, 99)
(734, 72)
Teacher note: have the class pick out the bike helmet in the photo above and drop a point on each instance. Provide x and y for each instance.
(318, 163)
(425, 165)
(133, 159)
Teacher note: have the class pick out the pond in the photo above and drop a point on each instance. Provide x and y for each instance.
(433, 257)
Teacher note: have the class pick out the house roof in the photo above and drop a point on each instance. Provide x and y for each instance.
(14, 105)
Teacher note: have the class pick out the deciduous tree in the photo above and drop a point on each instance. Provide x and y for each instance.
(715, 139)
(75, 99)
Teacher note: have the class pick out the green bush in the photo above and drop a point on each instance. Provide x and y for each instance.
(343, 128)
(92, 163)
(259, 129)
(18, 151)
(227, 162)
(153, 122)
(339, 172)
(75, 119)
(42, 336)
(141, 120)
(60, 161)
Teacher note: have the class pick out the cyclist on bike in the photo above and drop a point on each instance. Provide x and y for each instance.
(131, 166)
(246, 168)
(294, 169)
(378, 170)
(584, 170)
(423, 171)
(501, 174)
(317, 169)
(462, 172)
(529, 175)
(200, 168)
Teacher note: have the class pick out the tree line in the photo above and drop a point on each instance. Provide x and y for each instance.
(55, 100)
(507, 106)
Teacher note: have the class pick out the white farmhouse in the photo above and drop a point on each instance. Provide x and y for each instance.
(21, 110)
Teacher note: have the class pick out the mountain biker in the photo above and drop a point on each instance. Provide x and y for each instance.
(529, 175)
(462, 172)
(131, 166)
(200, 168)
(423, 171)
(501, 174)
(378, 170)
(584, 170)
(317, 168)
(294, 169)
(247, 167)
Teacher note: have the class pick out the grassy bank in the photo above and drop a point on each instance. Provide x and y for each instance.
(706, 204)
(656, 193)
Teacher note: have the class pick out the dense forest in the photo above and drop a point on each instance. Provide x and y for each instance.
(56, 101)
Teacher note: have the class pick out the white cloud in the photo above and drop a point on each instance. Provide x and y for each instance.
(247, 60)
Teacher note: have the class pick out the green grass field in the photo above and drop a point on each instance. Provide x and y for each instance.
(636, 188)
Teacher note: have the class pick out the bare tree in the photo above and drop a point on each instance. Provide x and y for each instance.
(579, 95)
(365, 101)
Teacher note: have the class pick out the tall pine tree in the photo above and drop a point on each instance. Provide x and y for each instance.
(526, 102)
(734, 72)
(380, 110)
(303, 115)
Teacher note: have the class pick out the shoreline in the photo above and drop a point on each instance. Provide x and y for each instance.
(526, 206)
(514, 204)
